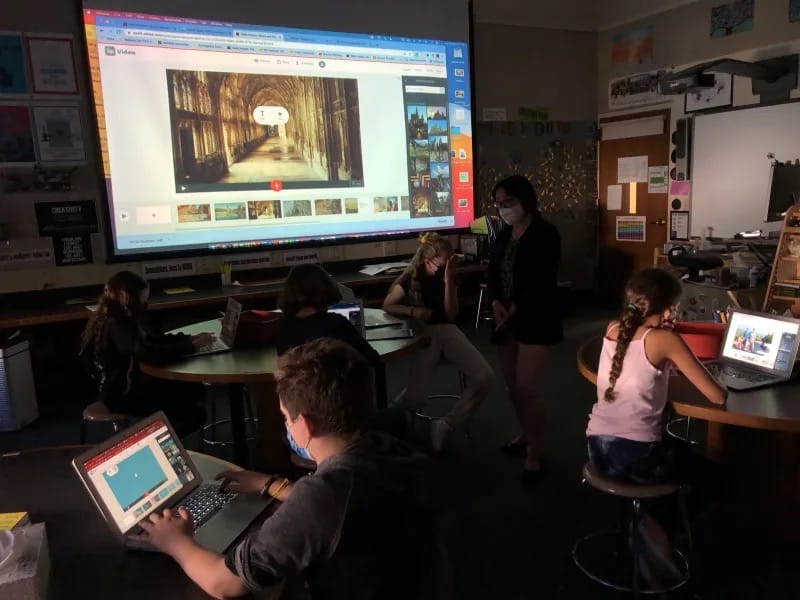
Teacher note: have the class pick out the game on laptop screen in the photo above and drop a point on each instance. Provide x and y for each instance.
(761, 341)
(137, 475)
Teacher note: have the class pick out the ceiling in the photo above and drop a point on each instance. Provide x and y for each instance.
(580, 15)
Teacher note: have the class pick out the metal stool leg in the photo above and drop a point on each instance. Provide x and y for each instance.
(636, 548)
(480, 307)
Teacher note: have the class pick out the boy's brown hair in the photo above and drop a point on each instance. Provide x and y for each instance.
(329, 383)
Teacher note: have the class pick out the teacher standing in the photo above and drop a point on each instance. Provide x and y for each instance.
(523, 289)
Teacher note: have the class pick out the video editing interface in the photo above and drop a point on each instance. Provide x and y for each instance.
(138, 475)
(761, 341)
(222, 135)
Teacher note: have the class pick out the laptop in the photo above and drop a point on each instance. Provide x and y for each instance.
(354, 312)
(227, 334)
(757, 350)
(145, 469)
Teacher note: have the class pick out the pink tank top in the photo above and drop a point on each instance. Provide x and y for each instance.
(640, 395)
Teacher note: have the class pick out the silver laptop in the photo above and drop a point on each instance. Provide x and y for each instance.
(145, 469)
(227, 334)
(354, 312)
(757, 350)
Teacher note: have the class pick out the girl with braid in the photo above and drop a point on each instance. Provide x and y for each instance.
(427, 291)
(624, 432)
(625, 424)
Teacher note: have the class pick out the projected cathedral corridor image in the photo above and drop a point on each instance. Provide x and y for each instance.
(243, 131)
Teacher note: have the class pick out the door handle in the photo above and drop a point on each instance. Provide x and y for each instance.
(661, 222)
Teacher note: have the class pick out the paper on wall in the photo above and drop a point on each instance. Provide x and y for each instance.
(614, 199)
(494, 114)
(632, 169)
(680, 188)
(658, 180)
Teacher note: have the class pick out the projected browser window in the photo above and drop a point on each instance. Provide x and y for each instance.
(222, 135)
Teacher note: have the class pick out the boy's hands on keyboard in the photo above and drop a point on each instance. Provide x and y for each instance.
(164, 531)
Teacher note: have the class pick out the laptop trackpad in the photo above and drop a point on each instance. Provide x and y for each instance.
(225, 527)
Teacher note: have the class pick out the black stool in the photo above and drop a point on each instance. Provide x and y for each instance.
(97, 412)
(211, 439)
(634, 493)
(428, 417)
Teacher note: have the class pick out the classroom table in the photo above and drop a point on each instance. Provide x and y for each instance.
(755, 437)
(254, 367)
(87, 560)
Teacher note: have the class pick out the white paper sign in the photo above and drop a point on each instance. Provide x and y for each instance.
(301, 257)
(250, 261)
(52, 67)
(614, 199)
(495, 114)
(24, 253)
(658, 180)
(632, 169)
(168, 268)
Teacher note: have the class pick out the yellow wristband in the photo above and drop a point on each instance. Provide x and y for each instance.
(283, 484)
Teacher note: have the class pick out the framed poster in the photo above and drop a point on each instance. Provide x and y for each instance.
(12, 65)
(52, 65)
(59, 134)
(16, 136)
(719, 96)
(679, 225)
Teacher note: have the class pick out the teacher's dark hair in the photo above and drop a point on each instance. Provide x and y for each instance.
(519, 187)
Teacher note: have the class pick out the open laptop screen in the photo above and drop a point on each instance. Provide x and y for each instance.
(139, 474)
(761, 341)
(353, 312)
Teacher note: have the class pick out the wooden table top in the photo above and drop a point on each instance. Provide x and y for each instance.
(59, 313)
(250, 365)
(87, 560)
(775, 407)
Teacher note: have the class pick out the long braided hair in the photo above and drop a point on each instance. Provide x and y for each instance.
(431, 245)
(110, 304)
(649, 292)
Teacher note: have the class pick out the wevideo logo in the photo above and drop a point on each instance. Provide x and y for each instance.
(110, 51)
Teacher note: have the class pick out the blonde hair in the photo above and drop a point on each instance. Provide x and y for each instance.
(431, 245)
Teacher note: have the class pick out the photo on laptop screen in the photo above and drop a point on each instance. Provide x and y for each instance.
(761, 341)
(353, 312)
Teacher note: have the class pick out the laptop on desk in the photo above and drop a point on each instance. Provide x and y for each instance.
(354, 312)
(227, 334)
(757, 350)
(145, 469)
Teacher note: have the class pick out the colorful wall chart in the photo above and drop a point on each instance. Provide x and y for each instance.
(631, 229)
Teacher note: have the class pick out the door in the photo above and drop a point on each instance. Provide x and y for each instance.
(648, 135)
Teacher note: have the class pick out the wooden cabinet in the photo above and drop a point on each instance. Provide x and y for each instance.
(783, 289)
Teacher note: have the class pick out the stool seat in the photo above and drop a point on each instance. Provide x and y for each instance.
(97, 411)
(626, 489)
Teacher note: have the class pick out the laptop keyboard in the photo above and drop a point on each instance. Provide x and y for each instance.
(205, 502)
(215, 346)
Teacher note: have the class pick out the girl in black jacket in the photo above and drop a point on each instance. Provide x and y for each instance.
(115, 339)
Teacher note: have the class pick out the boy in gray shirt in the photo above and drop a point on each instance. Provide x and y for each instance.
(355, 529)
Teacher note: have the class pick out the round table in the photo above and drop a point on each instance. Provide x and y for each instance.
(754, 436)
(255, 367)
(87, 560)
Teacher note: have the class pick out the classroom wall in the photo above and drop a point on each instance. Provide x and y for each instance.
(540, 68)
(515, 66)
(682, 37)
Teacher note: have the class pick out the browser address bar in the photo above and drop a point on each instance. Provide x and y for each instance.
(266, 43)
